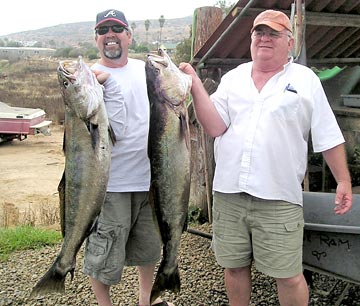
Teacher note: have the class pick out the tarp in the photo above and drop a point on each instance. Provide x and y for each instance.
(327, 74)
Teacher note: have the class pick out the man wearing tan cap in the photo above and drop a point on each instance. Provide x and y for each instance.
(261, 116)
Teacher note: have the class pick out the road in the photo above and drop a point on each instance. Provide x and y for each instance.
(30, 171)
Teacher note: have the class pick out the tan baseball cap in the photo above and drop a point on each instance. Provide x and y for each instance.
(276, 20)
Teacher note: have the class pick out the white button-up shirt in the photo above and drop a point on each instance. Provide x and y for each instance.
(264, 150)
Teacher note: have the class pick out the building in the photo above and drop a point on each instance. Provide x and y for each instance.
(14, 53)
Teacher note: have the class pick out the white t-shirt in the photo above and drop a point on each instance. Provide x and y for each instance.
(127, 105)
(264, 150)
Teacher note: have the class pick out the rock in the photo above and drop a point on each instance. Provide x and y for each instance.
(202, 281)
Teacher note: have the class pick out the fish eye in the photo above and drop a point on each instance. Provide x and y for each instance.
(65, 84)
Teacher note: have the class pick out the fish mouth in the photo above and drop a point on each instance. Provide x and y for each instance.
(171, 84)
(67, 70)
(157, 59)
(161, 58)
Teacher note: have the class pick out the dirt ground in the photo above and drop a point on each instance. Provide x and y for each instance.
(30, 171)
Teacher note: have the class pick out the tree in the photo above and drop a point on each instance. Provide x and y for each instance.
(52, 43)
(133, 26)
(14, 43)
(147, 26)
(161, 22)
(142, 49)
(183, 50)
(225, 7)
(63, 52)
(133, 43)
(38, 44)
(92, 53)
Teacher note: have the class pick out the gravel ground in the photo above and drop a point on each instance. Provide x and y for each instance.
(202, 281)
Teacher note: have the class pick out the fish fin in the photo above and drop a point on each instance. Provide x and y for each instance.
(151, 196)
(94, 226)
(112, 135)
(72, 273)
(184, 129)
(163, 281)
(61, 190)
(153, 208)
(94, 132)
(64, 142)
(51, 282)
(185, 225)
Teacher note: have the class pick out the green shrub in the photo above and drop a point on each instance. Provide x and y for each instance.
(25, 237)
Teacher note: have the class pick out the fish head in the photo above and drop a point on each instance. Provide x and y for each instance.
(166, 79)
(79, 87)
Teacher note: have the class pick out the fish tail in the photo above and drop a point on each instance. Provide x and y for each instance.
(163, 281)
(53, 281)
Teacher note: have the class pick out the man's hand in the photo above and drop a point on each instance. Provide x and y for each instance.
(343, 198)
(101, 76)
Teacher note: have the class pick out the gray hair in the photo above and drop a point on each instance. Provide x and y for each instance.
(289, 34)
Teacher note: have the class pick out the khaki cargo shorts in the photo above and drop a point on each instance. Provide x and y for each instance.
(124, 234)
(269, 232)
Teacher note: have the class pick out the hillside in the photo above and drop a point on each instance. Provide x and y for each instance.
(80, 33)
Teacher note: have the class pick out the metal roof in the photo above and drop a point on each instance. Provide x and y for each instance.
(332, 33)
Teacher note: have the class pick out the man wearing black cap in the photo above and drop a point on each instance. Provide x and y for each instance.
(124, 233)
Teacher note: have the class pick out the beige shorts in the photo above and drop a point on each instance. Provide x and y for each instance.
(125, 234)
(269, 232)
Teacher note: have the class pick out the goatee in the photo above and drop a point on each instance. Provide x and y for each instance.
(113, 54)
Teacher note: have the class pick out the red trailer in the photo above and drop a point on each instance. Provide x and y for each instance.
(18, 122)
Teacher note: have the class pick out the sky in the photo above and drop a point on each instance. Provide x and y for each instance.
(24, 15)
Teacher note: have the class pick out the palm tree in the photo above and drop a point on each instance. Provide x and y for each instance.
(133, 27)
(147, 26)
(161, 22)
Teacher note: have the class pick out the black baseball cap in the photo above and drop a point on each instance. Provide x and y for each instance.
(111, 15)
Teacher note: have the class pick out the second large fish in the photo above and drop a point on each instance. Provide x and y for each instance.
(87, 148)
(169, 152)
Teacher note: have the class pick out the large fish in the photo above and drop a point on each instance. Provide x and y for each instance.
(87, 148)
(169, 153)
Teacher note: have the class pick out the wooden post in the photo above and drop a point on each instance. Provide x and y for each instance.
(205, 21)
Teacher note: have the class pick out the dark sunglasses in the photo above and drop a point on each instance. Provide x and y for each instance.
(115, 28)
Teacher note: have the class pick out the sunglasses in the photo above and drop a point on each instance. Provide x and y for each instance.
(115, 28)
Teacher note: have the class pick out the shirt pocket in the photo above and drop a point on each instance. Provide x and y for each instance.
(285, 106)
